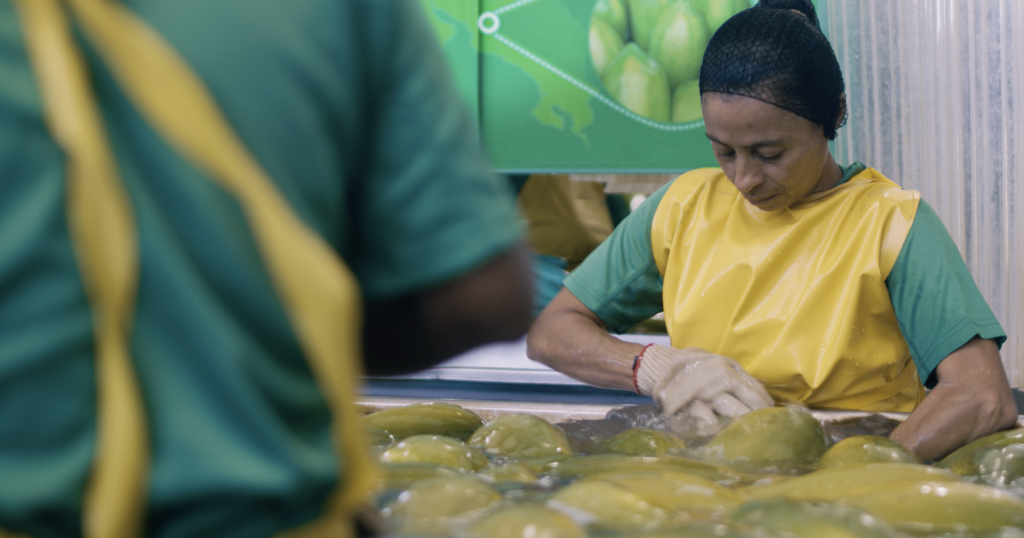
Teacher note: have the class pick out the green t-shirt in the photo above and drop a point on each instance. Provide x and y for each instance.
(937, 303)
(349, 107)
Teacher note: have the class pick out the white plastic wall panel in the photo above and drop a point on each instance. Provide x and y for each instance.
(936, 103)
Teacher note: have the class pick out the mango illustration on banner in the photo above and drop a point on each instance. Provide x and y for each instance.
(644, 56)
(663, 35)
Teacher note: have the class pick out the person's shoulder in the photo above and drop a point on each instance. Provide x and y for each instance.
(702, 176)
(882, 189)
(697, 180)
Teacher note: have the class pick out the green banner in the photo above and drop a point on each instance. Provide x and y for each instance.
(584, 85)
(455, 22)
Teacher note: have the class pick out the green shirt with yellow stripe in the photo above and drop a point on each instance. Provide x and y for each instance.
(937, 304)
(349, 108)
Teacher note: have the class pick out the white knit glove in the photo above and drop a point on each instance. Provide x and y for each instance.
(698, 382)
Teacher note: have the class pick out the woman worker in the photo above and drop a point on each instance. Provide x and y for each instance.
(783, 275)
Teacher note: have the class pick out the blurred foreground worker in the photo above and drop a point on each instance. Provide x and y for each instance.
(209, 213)
(784, 276)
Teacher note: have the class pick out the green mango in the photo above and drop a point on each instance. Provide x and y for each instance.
(995, 465)
(543, 465)
(609, 507)
(433, 418)
(678, 43)
(636, 81)
(401, 475)
(1001, 439)
(831, 483)
(377, 440)
(686, 103)
(615, 14)
(644, 15)
(770, 436)
(812, 520)
(1005, 532)
(436, 506)
(605, 463)
(679, 493)
(939, 507)
(865, 449)
(510, 472)
(644, 441)
(375, 437)
(723, 529)
(521, 436)
(526, 521)
(436, 449)
(605, 45)
(716, 12)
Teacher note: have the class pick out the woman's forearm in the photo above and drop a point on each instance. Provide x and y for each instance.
(972, 399)
(570, 338)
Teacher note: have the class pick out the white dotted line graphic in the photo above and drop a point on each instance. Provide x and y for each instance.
(512, 6)
(594, 93)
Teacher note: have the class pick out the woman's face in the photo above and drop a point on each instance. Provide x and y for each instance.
(773, 156)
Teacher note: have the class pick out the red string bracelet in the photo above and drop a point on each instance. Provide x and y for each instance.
(636, 367)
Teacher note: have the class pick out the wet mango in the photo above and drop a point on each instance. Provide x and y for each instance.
(510, 472)
(644, 441)
(799, 519)
(716, 12)
(644, 16)
(686, 103)
(526, 521)
(605, 463)
(606, 506)
(605, 45)
(866, 449)
(436, 449)
(1001, 439)
(939, 507)
(996, 465)
(543, 465)
(636, 81)
(770, 436)
(436, 506)
(521, 436)
(377, 440)
(707, 530)
(433, 418)
(402, 475)
(831, 483)
(678, 42)
(686, 495)
(615, 14)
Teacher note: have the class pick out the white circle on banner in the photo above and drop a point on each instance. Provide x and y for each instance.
(488, 23)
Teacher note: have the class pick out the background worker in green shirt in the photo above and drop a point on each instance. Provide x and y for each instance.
(783, 276)
(348, 107)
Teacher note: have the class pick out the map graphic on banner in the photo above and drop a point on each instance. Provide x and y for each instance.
(584, 85)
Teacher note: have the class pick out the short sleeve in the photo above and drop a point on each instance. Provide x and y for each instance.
(937, 303)
(619, 281)
(429, 208)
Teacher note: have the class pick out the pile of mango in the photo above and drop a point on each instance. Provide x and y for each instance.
(648, 52)
(772, 473)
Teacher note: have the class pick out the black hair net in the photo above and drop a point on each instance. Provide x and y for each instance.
(803, 6)
(778, 56)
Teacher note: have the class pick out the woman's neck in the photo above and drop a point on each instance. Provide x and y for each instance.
(831, 175)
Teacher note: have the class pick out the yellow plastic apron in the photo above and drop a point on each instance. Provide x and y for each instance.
(797, 296)
(319, 293)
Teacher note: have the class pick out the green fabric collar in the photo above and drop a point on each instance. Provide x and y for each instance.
(850, 171)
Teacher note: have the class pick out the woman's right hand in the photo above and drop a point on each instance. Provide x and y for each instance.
(698, 383)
